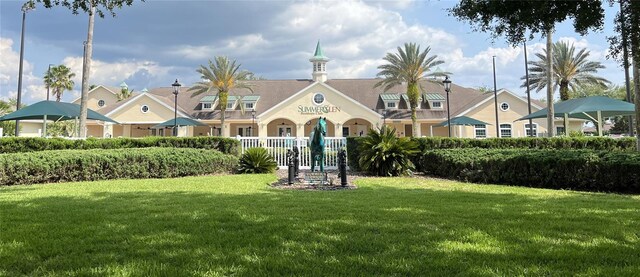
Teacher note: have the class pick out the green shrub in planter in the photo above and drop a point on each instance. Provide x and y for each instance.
(257, 160)
(381, 153)
(102, 164)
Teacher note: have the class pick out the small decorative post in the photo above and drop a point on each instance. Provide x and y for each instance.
(296, 160)
(342, 165)
(291, 164)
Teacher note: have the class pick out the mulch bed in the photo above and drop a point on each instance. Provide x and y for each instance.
(300, 184)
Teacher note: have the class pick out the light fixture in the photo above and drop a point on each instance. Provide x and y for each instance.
(447, 88)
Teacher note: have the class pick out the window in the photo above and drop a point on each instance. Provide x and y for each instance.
(207, 106)
(391, 105)
(505, 130)
(144, 108)
(504, 106)
(230, 105)
(480, 131)
(436, 105)
(101, 103)
(318, 98)
(345, 131)
(527, 130)
(248, 106)
(559, 130)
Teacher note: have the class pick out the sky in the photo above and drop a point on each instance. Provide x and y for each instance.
(151, 44)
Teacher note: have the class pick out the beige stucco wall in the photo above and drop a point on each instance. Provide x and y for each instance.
(132, 113)
(30, 129)
(344, 109)
(95, 131)
(97, 94)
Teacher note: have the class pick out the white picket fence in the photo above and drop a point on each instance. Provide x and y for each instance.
(278, 146)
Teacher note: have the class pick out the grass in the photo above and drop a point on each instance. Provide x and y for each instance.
(236, 225)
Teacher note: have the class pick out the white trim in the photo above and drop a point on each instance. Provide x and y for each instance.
(210, 108)
(284, 102)
(313, 98)
(152, 98)
(142, 108)
(436, 101)
(475, 129)
(491, 97)
(90, 91)
(508, 106)
(386, 104)
(535, 128)
(104, 103)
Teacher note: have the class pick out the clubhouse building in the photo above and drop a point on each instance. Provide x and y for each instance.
(280, 108)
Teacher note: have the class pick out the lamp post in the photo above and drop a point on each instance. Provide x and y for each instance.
(176, 89)
(253, 120)
(384, 117)
(447, 88)
(25, 8)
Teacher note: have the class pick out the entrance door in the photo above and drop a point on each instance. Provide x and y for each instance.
(408, 130)
(284, 131)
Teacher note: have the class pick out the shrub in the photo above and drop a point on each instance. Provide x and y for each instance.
(15, 145)
(587, 170)
(352, 152)
(257, 160)
(102, 164)
(381, 153)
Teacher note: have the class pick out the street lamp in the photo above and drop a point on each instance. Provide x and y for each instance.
(25, 8)
(253, 120)
(447, 88)
(384, 118)
(176, 89)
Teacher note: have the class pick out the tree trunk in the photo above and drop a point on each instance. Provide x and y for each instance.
(86, 69)
(414, 95)
(550, 125)
(636, 84)
(223, 97)
(564, 90)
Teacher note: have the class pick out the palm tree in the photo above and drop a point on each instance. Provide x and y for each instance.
(571, 70)
(222, 75)
(58, 79)
(411, 66)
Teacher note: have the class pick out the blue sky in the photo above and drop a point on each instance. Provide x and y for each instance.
(151, 44)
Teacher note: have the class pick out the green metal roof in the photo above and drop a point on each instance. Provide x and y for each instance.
(433, 97)
(319, 54)
(250, 98)
(209, 98)
(406, 98)
(232, 98)
(390, 96)
(462, 120)
(180, 121)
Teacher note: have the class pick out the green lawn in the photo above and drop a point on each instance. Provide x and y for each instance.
(236, 225)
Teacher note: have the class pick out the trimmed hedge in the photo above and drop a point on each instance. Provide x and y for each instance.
(102, 164)
(586, 170)
(16, 145)
(353, 153)
(594, 143)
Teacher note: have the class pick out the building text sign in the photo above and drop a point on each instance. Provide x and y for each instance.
(317, 110)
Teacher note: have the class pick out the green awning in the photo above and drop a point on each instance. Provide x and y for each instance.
(180, 121)
(53, 111)
(587, 108)
(462, 120)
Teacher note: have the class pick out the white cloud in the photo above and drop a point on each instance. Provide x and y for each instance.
(32, 86)
(113, 73)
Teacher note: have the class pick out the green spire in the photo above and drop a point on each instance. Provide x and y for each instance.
(319, 55)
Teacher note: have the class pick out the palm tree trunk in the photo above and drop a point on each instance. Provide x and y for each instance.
(564, 91)
(413, 94)
(550, 125)
(636, 84)
(223, 98)
(86, 68)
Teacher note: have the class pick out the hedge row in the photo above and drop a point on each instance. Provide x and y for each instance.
(16, 145)
(594, 143)
(102, 164)
(586, 170)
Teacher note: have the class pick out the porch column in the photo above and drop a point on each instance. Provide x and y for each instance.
(263, 130)
(338, 129)
(300, 130)
(418, 131)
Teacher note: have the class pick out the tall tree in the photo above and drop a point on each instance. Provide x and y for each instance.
(58, 79)
(8, 127)
(571, 70)
(516, 19)
(222, 76)
(409, 65)
(92, 7)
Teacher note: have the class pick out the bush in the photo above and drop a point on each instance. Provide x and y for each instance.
(352, 152)
(594, 143)
(257, 160)
(587, 170)
(101, 164)
(381, 153)
(15, 145)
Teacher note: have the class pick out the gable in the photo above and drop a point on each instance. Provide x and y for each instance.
(97, 94)
(131, 112)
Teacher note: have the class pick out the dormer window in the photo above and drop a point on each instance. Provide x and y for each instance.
(435, 100)
(392, 105)
(436, 105)
(207, 106)
(230, 105)
(249, 105)
(391, 100)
